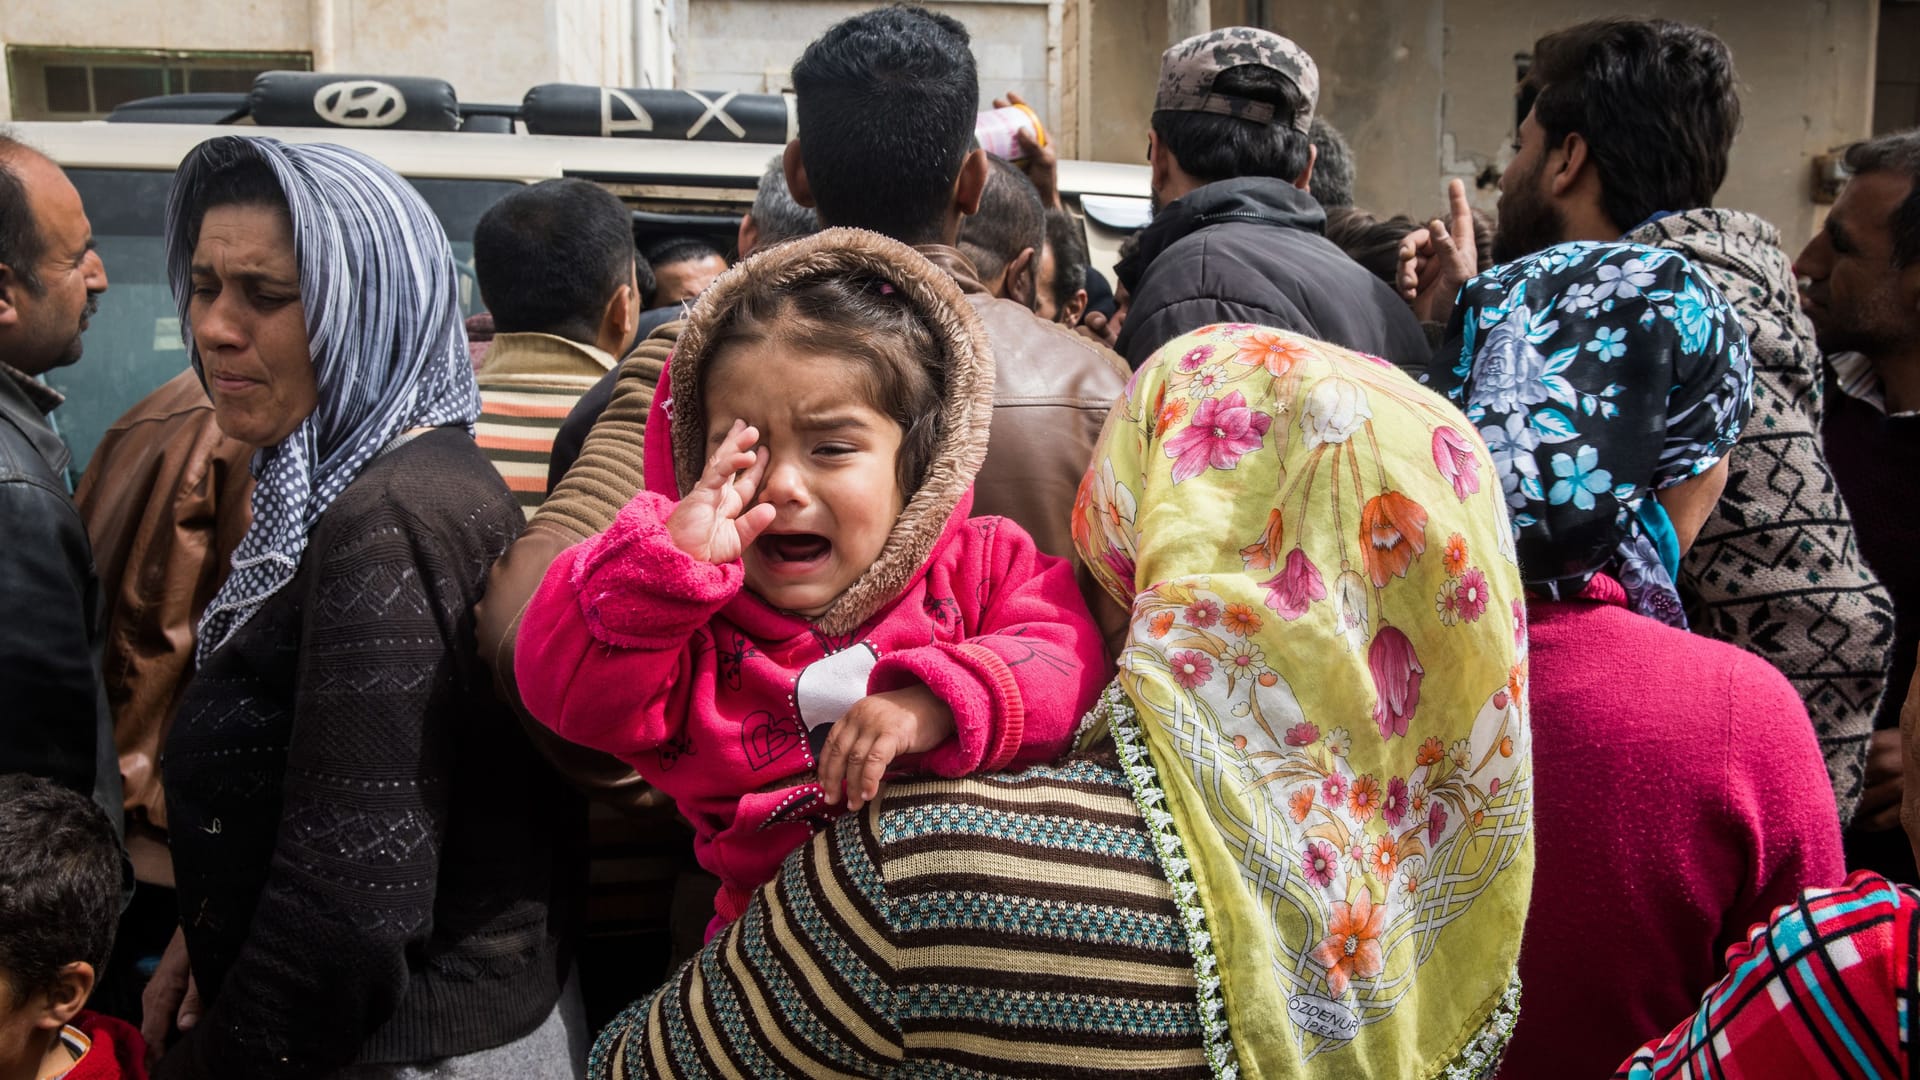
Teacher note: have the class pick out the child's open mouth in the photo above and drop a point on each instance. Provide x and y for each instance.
(793, 553)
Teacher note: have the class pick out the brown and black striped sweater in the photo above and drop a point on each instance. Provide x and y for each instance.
(1011, 925)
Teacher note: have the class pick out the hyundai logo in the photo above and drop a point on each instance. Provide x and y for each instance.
(361, 103)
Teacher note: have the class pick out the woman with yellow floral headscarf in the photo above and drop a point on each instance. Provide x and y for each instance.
(1324, 717)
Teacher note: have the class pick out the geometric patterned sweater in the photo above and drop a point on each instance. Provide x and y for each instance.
(1776, 569)
(1006, 925)
(372, 864)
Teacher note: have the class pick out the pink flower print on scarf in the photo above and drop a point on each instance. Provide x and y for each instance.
(1222, 431)
(1453, 456)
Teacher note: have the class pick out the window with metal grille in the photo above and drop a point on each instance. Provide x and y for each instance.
(86, 84)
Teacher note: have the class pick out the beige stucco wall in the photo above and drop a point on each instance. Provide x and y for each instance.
(491, 50)
(1423, 89)
(750, 45)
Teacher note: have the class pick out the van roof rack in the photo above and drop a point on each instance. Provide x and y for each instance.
(181, 109)
(412, 103)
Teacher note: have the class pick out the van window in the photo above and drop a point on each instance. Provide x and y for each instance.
(133, 344)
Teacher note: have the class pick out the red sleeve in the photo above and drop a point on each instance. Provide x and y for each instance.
(1032, 667)
(118, 1052)
(1778, 794)
(1826, 980)
(602, 655)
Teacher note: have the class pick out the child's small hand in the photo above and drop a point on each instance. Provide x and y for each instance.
(716, 521)
(879, 728)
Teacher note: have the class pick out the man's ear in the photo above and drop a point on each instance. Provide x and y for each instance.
(71, 989)
(972, 182)
(620, 318)
(1575, 157)
(1305, 181)
(10, 289)
(623, 313)
(1021, 283)
(749, 237)
(795, 167)
(1158, 162)
(1075, 310)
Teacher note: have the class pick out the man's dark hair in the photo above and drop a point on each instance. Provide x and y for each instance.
(1068, 238)
(643, 278)
(1655, 101)
(1332, 182)
(1011, 219)
(1896, 153)
(551, 255)
(1371, 241)
(886, 103)
(1210, 147)
(775, 214)
(21, 245)
(679, 249)
(60, 882)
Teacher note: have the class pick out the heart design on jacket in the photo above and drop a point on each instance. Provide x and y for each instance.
(765, 739)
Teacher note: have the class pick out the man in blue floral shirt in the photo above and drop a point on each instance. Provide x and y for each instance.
(1628, 125)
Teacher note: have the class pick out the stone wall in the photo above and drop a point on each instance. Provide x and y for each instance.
(1423, 89)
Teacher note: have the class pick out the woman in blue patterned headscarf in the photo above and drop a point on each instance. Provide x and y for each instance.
(1679, 791)
(1599, 374)
(373, 872)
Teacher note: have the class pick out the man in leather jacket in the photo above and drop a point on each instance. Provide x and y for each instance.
(53, 722)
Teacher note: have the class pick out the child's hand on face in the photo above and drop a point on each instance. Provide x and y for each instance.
(879, 728)
(716, 520)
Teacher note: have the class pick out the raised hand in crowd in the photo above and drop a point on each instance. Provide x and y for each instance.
(1039, 162)
(1437, 260)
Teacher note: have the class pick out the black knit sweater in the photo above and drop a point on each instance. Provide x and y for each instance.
(373, 863)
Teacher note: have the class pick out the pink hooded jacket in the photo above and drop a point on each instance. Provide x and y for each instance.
(632, 647)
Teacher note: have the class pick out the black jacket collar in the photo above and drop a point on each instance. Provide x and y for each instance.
(1251, 200)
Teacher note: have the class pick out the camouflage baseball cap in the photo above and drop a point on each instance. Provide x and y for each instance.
(1188, 69)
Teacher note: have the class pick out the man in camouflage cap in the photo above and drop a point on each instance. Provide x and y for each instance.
(1188, 71)
(1235, 235)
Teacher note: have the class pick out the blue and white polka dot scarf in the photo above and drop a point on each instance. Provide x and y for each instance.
(389, 348)
(1597, 374)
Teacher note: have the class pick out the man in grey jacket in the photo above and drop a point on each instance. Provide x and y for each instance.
(1236, 237)
(54, 720)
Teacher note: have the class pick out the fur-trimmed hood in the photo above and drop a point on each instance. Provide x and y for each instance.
(676, 451)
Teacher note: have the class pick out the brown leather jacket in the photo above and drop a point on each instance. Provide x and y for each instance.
(1052, 391)
(166, 500)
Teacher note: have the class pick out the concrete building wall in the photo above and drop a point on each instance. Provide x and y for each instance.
(1423, 89)
(750, 45)
(491, 50)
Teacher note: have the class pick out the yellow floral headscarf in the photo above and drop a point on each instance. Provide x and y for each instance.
(1324, 712)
